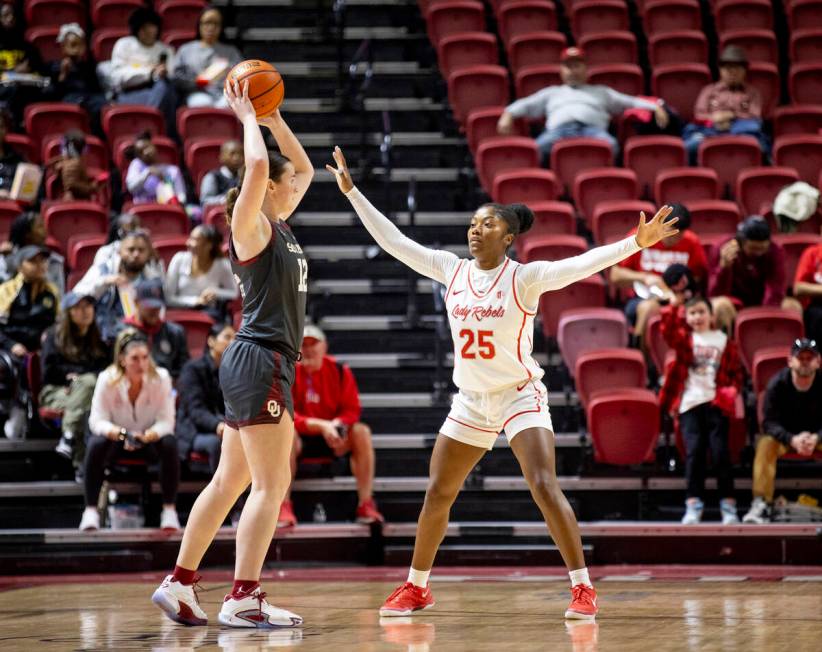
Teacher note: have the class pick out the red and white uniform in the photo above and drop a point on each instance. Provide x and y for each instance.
(491, 314)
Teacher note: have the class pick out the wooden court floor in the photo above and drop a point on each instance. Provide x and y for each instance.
(469, 616)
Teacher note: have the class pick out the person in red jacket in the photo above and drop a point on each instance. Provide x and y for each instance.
(327, 421)
(807, 288)
(700, 391)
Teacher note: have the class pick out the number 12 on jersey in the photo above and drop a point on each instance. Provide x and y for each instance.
(484, 345)
(302, 286)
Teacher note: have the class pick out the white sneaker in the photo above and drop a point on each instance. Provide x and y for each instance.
(728, 510)
(15, 426)
(179, 602)
(759, 513)
(253, 611)
(693, 512)
(169, 520)
(90, 520)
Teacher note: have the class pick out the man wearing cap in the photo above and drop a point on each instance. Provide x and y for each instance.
(326, 417)
(169, 348)
(28, 306)
(792, 422)
(727, 107)
(575, 108)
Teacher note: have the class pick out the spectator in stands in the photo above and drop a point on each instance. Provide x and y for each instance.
(112, 282)
(150, 182)
(73, 354)
(807, 288)
(327, 420)
(18, 57)
(9, 159)
(202, 65)
(71, 168)
(216, 183)
(792, 423)
(748, 270)
(142, 65)
(132, 411)
(74, 77)
(169, 348)
(201, 414)
(120, 226)
(700, 390)
(575, 108)
(29, 229)
(727, 107)
(28, 306)
(646, 269)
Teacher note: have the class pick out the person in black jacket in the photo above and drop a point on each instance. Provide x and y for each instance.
(792, 422)
(201, 413)
(72, 356)
(169, 348)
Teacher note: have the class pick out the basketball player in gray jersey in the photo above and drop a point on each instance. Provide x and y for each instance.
(256, 374)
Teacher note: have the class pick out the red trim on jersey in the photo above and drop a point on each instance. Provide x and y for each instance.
(514, 288)
(537, 411)
(453, 278)
(468, 425)
(232, 253)
(496, 280)
(519, 351)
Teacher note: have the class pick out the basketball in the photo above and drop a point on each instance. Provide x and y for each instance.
(265, 85)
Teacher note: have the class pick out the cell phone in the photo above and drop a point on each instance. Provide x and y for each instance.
(342, 430)
(132, 440)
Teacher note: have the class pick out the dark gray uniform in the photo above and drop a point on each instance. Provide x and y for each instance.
(257, 369)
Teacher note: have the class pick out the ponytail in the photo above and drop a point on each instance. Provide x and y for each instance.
(230, 200)
(276, 168)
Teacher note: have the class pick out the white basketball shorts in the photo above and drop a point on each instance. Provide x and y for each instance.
(477, 418)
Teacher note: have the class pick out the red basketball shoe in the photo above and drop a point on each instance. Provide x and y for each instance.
(367, 512)
(407, 599)
(286, 517)
(583, 603)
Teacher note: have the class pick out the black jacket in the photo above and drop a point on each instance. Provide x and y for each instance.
(789, 411)
(201, 405)
(168, 345)
(56, 367)
(24, 318)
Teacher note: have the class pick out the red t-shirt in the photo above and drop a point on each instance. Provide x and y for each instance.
(329, 393)
(656, 259)
(809, 269)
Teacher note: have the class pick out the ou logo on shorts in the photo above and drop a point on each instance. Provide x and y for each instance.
(274, 409)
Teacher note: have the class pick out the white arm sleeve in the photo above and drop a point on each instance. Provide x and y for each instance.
(433, 263)
(542, 275)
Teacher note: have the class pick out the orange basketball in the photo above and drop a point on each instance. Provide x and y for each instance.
(265, 85)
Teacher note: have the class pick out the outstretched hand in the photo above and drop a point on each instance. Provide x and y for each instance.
(649, 233)
(341, 172)
(238, 101)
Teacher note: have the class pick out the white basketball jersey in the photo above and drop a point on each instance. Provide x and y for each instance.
(493, 333)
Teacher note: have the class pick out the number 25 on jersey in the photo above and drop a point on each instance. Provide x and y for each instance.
(477, 342)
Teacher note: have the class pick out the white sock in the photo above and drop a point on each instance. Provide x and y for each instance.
(418, 578)
(580, 576)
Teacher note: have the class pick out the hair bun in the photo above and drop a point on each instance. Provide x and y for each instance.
(525, 216)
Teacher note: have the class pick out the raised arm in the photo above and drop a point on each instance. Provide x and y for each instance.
(433, 263)
(290, 148)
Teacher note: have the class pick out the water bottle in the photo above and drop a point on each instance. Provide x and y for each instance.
(319, 513)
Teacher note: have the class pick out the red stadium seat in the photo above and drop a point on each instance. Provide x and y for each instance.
(70, 218)
(128, 120)
(82, 249)
(587, 293)
(214, 214)
(166, 151)
(586, 329)
(24, 146)
(655, 343)
(675, 47)
(495, 155)
(743, 14)
(197, 326)
(661, 16)
(760, 327)
(685, 184)
(112, 13)
(477, 87)
(623, 77)
(519, 17)
(727, 155)
(797, 119)
(711, 217)
(764, 77)
(55, 12)
(162, 219)
(759, 44)
(553, 247)
(767, 362)
(552, 218)
(180, 14)
(201, 156)
(805, 82)
(525, 185)
(9, 210)
(573, 155)
(96, 154)
(647, 155)
(103, 40)
(804, 14)
(535, 49)
(806, 45)
(454, 17)
(482, 124)
(794, 245)
(169, 245)
(597, 185)
(464, 50)
(44, 38)
(608, 369)
(178, 37)
(757, 187)
(680, 85)
(624, 426)
(592, 16)
(46, 118)
(605, 48)
(801, 152)
(207, 122)
(612, 220)
(532, 79)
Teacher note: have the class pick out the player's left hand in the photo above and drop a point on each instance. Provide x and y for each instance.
(341, 173)
(649, 233)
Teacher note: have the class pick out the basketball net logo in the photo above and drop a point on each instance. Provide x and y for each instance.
(274, 409)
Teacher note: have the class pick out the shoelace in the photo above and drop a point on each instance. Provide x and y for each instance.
(260, 596)
(195, 586)
(408, 586)
(582, 593)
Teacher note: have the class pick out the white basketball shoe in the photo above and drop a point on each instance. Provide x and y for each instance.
(252, 610)
(179, 602)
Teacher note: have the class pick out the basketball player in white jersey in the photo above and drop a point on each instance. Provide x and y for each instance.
(491, 302)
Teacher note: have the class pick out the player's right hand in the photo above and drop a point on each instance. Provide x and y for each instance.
(341, 172)
(238, 101)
